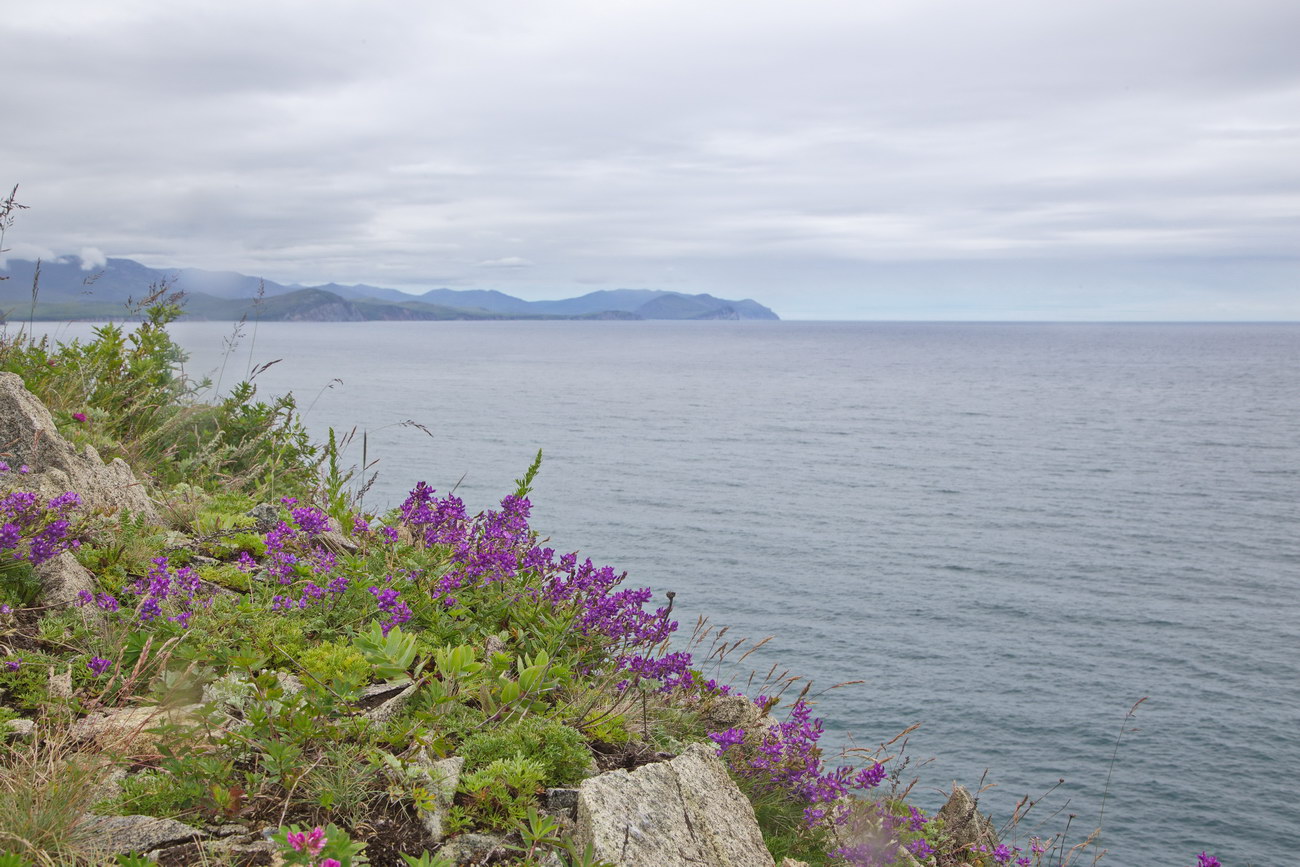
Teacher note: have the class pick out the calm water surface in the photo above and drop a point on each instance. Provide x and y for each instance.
(1011, 532)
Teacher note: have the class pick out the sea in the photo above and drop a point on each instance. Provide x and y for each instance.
(1069, 552)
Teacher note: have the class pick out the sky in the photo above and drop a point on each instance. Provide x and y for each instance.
(857, 159)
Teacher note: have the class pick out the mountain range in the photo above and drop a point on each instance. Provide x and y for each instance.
(71, 288)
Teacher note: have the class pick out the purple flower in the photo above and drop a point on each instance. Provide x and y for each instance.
(311, 521)
(728, 739)
(921, 849)
(14, 664)
(79, 416)
(98, 665)
(1002, 854)
(1204, 860)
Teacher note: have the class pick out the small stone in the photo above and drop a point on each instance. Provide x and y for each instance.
(474, 849)
(562, 802)
(266, 515)
(393, 706)
(19, 730)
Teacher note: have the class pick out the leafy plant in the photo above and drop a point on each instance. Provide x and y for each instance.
(391, 655)
(560, 751)
(500, 794)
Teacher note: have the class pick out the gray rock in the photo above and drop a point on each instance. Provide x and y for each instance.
(266, 516)
(109, 788)
(393, 706)
(29, 436)
(439, 779)
(118, 835)
(473, 849)
(18, 730)
(127, 728)
(722, 712)
(62, 580)
(562, 802)
(963, 823)
(239, 850)
(671, 814)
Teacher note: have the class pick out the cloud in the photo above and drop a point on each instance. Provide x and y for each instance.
(506, 262)
(726, 141)
(92, 258)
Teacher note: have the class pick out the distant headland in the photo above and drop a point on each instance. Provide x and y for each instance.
(70, 288)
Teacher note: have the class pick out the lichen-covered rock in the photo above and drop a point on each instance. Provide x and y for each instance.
(684, 812)
(119, 835)
(63, 579)
(963, 823)
(474, 849)
(28, 436)
(393, 704)
(721, 712)
(126, 729)
(18, 730)
(440, 779)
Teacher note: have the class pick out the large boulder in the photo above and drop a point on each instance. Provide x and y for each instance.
(29, 437)
(671, 814)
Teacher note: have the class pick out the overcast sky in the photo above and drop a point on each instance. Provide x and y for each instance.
(875, 159)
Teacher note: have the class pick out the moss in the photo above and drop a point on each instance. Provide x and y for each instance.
(560, 751)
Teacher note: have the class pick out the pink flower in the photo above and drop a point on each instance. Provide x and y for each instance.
(79, 416)
(330, 862)
(310, 842)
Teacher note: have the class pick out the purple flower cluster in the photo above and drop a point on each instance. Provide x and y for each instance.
(786, 758)
(288, 546)
(312, 594)
(33, 530)
(103, 601)
(164, 589)
(498, 546)
(98, 665)
(388, 602)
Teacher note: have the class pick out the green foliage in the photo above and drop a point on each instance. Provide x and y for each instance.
(560, 751)
(339, 666)
(499, 795)
(425, 860)
(160, 793)
(19, 585)
(524, 486)
(537, 832)
(341, 782)
(391, 655)
(142, 408)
